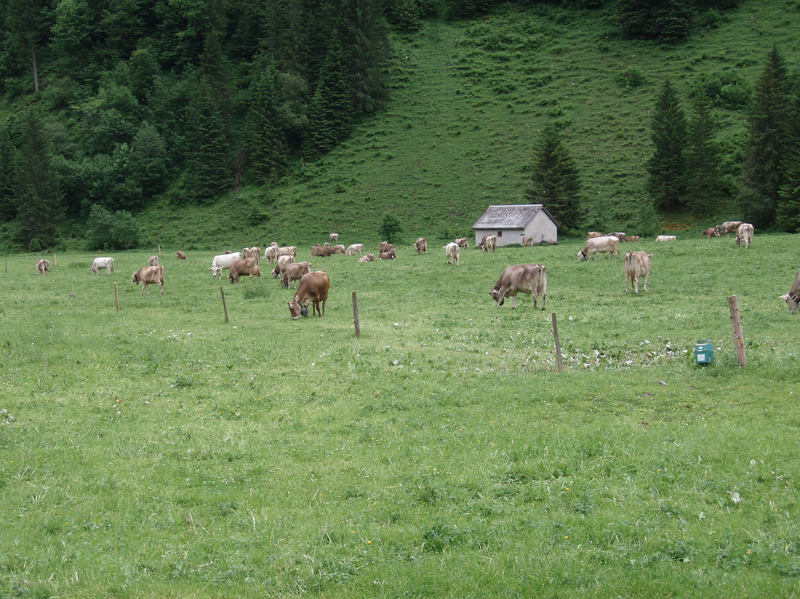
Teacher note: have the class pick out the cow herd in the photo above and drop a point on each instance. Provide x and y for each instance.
(313, 286)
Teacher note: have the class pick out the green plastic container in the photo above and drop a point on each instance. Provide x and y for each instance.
(704, 352)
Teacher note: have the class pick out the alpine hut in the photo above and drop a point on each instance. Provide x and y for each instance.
(512, 222)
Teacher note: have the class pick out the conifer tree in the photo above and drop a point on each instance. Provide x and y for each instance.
(267, 145)
(554, 180)
(8, 209)
(767, 149)
(667, 167)
(40, 210)
(330, 112)
(704, 183)
(788, 209)
(366, 51)
(210, 161)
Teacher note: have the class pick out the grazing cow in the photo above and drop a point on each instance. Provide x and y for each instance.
(150, 275)
(462, 242)
(729, 226)
(180, 255)
(636, 264)
(452, 251)
(324, 251)
(246, 267)
(488, 242)
(313, 289)
(387, 255)
(222, 262)
(521, 278)
(334, 237)
(793, 297)
(367, 258)
(294, 272)
(153, 260)
(527, 241)
(421, 246)
(288, 250)
(666, 238)
(356, 247)
(607, 243)
(283, 263)
(385, 246)
(271, 253)
(101, 263)
(253, 252)
(339, 249)
(593, 234)
(42, 266)
(630, 238)
(745, 233)
(710, 232)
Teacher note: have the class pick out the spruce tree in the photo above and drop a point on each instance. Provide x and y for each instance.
(769, 127)
(788, 209)
(703, 181)
(367, 49)
(330, 112)
(8, 209)
(267, 143)
(666, 169)
(40, 210)
(210, 160)
(554, 180)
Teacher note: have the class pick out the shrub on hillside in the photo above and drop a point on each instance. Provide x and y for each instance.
(116, 231)
(390, 228)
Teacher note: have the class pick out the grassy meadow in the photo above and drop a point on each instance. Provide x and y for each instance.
(159, 451)
(467, 103)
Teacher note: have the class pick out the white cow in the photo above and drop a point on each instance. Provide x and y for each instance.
(452, 251)
(222, 262)
(636, 264)
(271, 253)
(101, 263)
(356, 247)
(153, 260)
(745, 233)
(666, 238)
(607, 243)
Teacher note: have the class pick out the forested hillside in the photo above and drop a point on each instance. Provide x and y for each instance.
(127, 123)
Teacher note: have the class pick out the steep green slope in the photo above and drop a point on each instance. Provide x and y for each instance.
(468, 101)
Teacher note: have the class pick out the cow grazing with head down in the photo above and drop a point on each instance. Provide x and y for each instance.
(745, 233)
(313, 289)
(150, 275)
(637, 265)
(607, 243)
(280, 267)
(245, 267)
(153, 260)
(452, 252)
(488, 242)
(729, 226)
(421, 246)
(334, 237)
(710, 232)
(101, 263)
(793, 297)
(42, 266)
(179, 255)
(355, 247)
(294, 272)
(222, 262)
(521, 278)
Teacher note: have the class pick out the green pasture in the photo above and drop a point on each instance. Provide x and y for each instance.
(159, 451)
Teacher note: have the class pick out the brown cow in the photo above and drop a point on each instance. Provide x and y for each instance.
(271, 253)
(607, 243)
(729, 226)
(153, 260)
(294, 272)
(245, 267)
(150, 275)
(421, 246)
(630, 238)
(710, 232)
(462, 242)
(521, 278)
(180, 255)
(636, 264)
(488, 242)
(367, 258)
(387, 255)
(793, 297)
(333, 237)
(385, 246)
(313, 289)
(527, 241)
(593, 234)
(323, 251)
(42, 266)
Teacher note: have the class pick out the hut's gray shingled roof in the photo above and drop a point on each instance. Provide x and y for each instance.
(509, 216)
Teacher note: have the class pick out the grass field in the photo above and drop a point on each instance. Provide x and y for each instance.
(161, 452)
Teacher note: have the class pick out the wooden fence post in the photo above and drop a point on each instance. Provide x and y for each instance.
(116, 295)
(224, 307)
(738, 338)
(159, 249)
(355, 316)
(559, 362)
(55, 260)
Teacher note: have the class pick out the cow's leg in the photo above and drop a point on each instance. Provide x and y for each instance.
(645, 280)
(513, 301)
(544, 300)
(636, 284)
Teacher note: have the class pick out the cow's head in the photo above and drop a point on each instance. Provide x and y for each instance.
(581, 256)
(135, 278)
(738, 240)
(215, 270)
(496, 292)
(297, 309)
(792, 301)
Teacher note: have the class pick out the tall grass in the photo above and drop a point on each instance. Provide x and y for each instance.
(159, 451)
